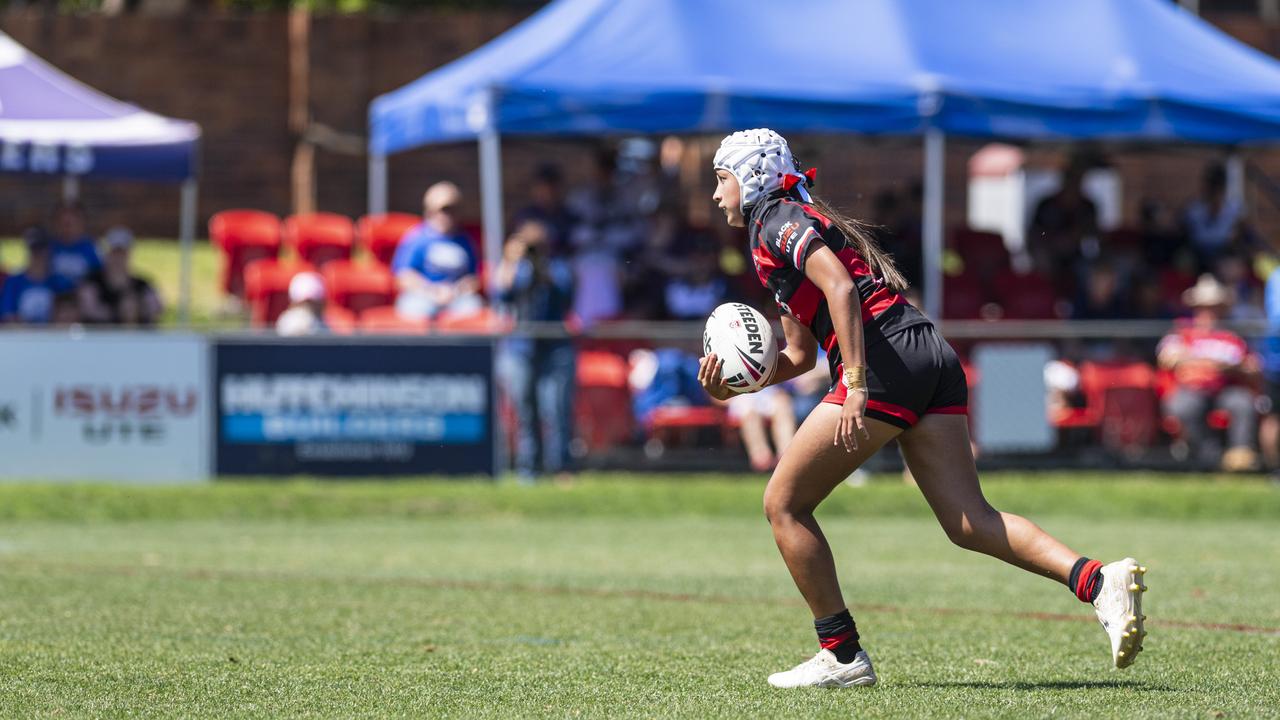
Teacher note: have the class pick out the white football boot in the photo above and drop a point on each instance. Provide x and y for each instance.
(823, 670)
(1119, 608)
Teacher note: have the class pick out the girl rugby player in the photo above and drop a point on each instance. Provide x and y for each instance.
(893, 377)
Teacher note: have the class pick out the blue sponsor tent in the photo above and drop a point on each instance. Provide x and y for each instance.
(51, 124)
(1037, 70)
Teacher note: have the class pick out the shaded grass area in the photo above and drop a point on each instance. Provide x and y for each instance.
(620, 495)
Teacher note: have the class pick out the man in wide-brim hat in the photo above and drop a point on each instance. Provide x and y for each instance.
(1211, 368)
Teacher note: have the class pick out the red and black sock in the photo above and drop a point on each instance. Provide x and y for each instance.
(839, 634)
(1086, 579)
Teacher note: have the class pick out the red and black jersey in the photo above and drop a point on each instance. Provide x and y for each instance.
(783, 232)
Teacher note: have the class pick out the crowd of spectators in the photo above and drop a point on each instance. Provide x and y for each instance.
(1140, 272)
(620, 246)
(70, 277)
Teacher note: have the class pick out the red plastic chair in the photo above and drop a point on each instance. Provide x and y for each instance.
(1026, 297)
(983, 253)
(1120, 404)
(358, 287)
(340, 320)
(385, 320)
(602, 401)
(319, 238)
(243, 236)
(681, 425)
(484, 322)
(266, 288)
(380, 235)
(1130, 409)
(963, 297)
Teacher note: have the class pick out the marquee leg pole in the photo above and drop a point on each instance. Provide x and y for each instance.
(934, 176)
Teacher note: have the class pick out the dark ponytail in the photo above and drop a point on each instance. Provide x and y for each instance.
(859, 236)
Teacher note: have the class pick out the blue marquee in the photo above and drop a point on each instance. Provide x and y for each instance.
(1123, 70)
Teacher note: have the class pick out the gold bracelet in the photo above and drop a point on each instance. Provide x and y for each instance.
(855, 378)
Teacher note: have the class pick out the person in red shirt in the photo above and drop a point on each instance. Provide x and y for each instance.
(893, 377)
(1211, 367)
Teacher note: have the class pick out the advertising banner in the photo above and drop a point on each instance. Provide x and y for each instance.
(331, 408)
(104, 406)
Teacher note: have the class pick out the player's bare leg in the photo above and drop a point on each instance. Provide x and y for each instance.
(938, 454)
(809, 470)
(937, 451)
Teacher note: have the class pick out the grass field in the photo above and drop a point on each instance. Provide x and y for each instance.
(617, 596)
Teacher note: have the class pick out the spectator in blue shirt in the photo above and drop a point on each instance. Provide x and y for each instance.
(434, 265)
(538, 374)
(28, 297)
(74, 252)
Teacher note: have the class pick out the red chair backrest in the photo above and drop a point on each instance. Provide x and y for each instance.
(1026, 297)
(602, 399)
(266, 285)
(243, 236)
(340, 320)
(1105, 376)
(1126, 392)
(320, 238)
(483, 322)
(230, 228)
(602, 369)
(983, 253)
(962, 297)
(358, 287)
(385, 321)
(381, 234)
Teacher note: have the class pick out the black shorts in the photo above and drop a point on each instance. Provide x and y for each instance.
(910, 373)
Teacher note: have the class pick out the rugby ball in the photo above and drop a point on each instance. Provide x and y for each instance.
(742, 337)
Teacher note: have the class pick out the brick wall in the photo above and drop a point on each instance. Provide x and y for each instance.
(230, 73)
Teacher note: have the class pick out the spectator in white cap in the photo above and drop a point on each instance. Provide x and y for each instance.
(112, 294)
(305, 315)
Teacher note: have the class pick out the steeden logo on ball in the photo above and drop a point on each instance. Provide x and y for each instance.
(742, 338)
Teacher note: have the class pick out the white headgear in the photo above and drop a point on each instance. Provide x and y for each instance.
(762, 162)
